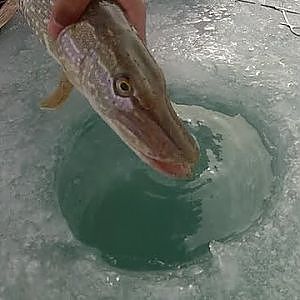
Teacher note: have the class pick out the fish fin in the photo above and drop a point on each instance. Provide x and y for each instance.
(7, 11)
(59, 95)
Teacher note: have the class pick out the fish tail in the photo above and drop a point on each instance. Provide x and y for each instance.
(7, 10)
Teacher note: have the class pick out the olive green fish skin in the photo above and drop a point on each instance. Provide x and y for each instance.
(94, 53)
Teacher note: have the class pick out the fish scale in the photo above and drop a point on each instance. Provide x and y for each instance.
(37, 14)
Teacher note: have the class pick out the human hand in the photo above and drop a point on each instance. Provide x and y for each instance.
(66, 12)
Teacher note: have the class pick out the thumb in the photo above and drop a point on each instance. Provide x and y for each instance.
(64, 13)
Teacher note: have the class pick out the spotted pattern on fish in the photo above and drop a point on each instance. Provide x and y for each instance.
(37, 13)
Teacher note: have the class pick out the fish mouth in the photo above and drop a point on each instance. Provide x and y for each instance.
(172, 164)
(180, 170)
(159, 139)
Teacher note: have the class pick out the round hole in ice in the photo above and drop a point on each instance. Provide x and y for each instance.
(141, 220)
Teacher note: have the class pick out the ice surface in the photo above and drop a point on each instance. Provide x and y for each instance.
(236, 59)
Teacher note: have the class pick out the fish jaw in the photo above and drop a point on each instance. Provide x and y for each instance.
(170, 169)
(174, 153)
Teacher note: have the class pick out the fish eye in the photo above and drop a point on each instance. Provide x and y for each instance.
(122, 87)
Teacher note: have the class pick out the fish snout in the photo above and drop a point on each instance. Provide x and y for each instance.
(180, 152)
(160, 139)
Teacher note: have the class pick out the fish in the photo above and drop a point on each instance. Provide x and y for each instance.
(103, 57)
(7, 11)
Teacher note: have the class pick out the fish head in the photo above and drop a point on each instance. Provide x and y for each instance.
(143, 116)
(140, 112)
(127, 88)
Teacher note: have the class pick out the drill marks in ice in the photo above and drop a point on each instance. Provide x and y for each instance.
(200, 29)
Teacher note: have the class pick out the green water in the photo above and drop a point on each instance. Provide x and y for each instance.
(141, 220)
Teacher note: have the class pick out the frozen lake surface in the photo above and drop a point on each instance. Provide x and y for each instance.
(228, 57)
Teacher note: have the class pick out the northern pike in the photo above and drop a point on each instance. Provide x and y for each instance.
(103, 57)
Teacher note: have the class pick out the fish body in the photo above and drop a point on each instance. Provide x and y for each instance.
(103, 57)
(7, 11)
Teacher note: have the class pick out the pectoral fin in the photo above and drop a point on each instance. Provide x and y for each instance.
(7, 11)
(59, 96)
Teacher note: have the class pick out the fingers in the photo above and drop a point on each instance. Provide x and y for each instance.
(65, 12)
